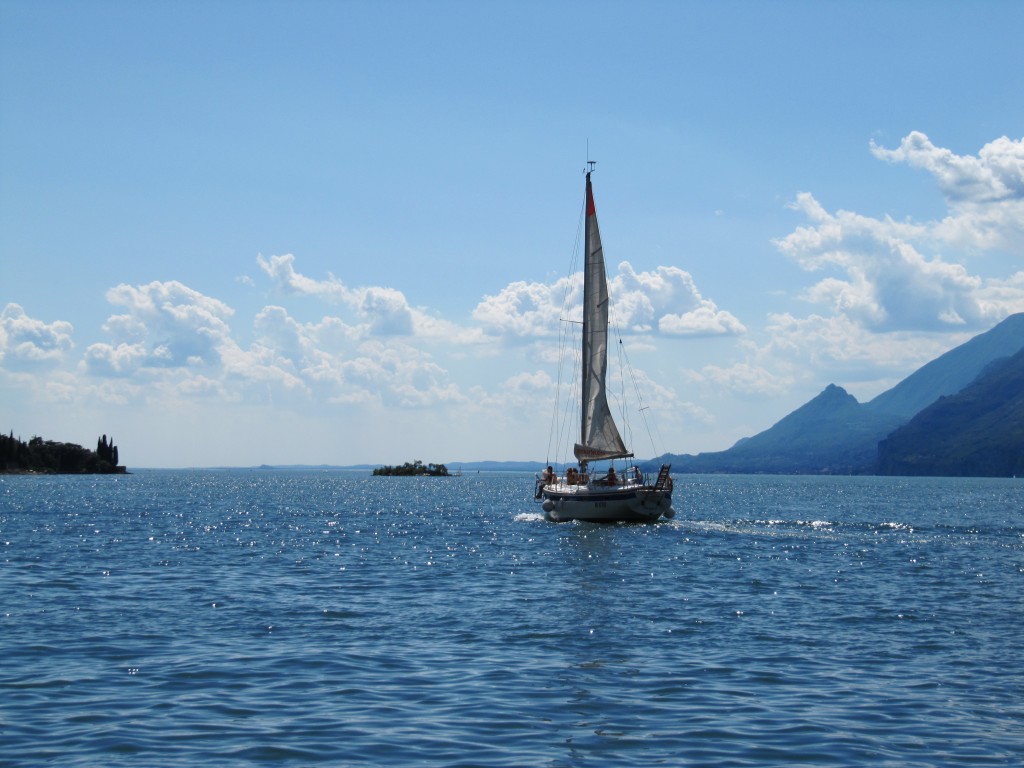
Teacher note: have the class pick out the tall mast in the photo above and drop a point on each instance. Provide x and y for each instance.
(587, 289)
(599, 437)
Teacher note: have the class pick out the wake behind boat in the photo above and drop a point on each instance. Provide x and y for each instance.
(581, 494)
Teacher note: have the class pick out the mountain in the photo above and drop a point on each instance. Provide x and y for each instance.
(978, 432)
(831, 434)
(834, 434)
(951, 372)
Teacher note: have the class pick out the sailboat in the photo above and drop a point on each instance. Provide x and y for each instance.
(580, 493)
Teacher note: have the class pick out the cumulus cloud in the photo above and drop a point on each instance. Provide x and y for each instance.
(526, 309)
(985, 194)
(664, 301)
(386, 311)
(165, 325)
(172, 342)
(378, 311)
(997, 173)
(300, 357)
(669, 300)
(400, 375)
(30, 344)
(322, 359)
(281, 270)
(888, 283)
(899, 275)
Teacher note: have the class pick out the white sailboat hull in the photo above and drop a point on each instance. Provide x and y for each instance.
(630, 504)
(578, 495)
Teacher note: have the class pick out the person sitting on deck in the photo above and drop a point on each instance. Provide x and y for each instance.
(611, 478)
(548, 476)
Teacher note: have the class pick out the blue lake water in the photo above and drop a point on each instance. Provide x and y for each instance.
(260, 617)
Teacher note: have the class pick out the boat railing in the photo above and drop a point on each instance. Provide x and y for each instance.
(629, 478)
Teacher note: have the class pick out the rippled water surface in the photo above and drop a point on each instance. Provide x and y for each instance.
(254, 617)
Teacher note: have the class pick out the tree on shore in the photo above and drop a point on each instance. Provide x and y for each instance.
(52, 457)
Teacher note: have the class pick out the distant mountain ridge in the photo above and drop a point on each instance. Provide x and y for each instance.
(952, 371)
(805, 441)
(978, 432)
(835, 434)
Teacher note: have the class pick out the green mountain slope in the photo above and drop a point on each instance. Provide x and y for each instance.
(978, 432)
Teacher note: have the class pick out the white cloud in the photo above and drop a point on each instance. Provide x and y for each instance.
(167, 325)
(30, 344)
(894, 294)
(176, 342)
(378, 311)
(528, 310)
(888, 284)
(117, 359)
(281, 270)
(522, 391)
(836, 347)
(397, 374)
(891, 275)
(997, 173)
(321, 359)
(985, 194)
(669, 300)
(665, 301)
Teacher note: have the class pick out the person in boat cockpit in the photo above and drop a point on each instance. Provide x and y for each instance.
(611, 478)
(548, 476)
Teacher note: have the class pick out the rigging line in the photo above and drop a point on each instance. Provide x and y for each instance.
(558, 426)
(615, 331)
(640, 402)
(627, 424)
(563, 425)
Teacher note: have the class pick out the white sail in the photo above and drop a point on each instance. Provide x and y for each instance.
(583, 495)
(599, 438)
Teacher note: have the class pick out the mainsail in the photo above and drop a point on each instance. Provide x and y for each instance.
(600, 437)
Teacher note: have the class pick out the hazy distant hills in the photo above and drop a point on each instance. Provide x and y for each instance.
(961, 414)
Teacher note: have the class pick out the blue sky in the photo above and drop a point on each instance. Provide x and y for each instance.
(325, 232)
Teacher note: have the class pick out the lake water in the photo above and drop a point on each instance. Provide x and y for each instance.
(260, 617)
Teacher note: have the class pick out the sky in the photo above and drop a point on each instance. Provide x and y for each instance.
(243, 233)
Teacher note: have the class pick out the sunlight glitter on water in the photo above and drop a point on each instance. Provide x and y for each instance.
(340, 619)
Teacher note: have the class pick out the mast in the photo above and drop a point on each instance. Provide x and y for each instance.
(599, 437)
(587, 321)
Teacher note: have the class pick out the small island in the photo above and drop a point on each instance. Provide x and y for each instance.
(416, 469)
(48, 457)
